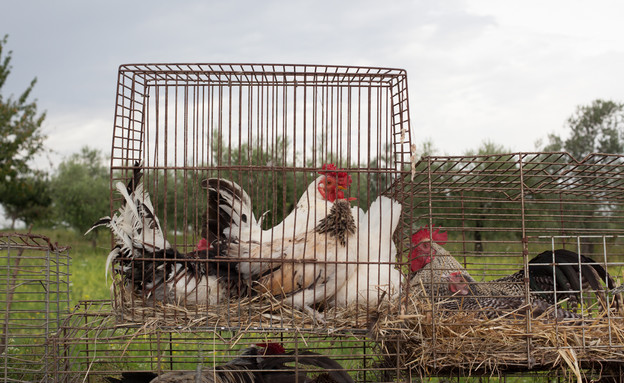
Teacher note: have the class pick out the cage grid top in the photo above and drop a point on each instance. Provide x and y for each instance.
(174, 110)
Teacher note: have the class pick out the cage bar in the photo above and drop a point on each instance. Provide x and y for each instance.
(34, 290)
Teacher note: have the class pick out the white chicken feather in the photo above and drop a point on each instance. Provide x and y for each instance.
(237, 222)
(375, 275)
(150, 263)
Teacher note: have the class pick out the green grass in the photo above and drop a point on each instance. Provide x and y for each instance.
(87, 280)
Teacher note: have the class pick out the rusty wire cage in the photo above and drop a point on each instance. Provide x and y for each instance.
(93, 344)
(271, 129)
(501, 212)
(34, 289)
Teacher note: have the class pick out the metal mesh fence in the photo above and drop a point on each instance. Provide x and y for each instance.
(34, 290)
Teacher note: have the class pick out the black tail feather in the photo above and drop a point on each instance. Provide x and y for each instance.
(133, 377)
(215, 218)
(136, 177)
(337, 373)
(572, 271)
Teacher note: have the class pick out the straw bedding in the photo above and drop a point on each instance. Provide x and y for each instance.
(468, 343)
(258, 312)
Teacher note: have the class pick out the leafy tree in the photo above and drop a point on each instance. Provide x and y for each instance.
(27, 198)
(22, 191)
(20, 127)
(595, 128)
(485, 199)
(80, 190)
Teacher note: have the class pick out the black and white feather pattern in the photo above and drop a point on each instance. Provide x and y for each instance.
(150, 265)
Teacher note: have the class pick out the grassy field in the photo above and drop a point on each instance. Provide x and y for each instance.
(87, 281)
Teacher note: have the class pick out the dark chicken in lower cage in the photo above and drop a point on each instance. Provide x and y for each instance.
(263, 363)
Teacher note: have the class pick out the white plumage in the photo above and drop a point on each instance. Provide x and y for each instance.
(375, 275)
(312, 266)
(237, 222)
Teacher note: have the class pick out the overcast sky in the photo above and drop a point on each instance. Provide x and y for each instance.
(508, 72)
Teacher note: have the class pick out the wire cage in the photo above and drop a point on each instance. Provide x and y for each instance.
(274, 130)
(34, 289)
(521, 236)
(269, 128)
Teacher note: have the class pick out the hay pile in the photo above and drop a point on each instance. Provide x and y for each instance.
(262, 312)
(424, 339)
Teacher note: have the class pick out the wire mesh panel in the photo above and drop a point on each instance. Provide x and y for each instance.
(270, 132)
(34, 291)
(92, 345)
(514, 262)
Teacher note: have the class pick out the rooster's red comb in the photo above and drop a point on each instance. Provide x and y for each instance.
(423, 233)
(272, 348)
(342, 177)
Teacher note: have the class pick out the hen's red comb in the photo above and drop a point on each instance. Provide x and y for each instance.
(342, 177)
(272, 348)
(202, 245)
(423, 233)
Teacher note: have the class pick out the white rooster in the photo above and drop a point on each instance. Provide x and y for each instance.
(309, 268)
(230, 216)
(375, 275)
